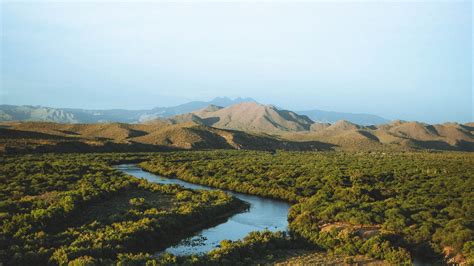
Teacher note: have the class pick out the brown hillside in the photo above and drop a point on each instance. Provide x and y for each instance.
(51, 137)
(196, 134)
(254, 117)
(398, 135)
(343, 125)
(319, 126)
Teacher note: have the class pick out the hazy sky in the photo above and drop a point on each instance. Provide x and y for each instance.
(410, 60)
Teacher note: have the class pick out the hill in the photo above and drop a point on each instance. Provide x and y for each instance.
(246, 125)
(19, 137)
(253, 117)
(398, 135)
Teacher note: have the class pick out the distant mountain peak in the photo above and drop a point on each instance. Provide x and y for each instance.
(226, 101)
(212, 108)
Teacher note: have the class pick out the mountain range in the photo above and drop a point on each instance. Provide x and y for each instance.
(244, 125)
(70, 115)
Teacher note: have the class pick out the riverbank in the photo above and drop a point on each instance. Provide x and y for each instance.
(253, 249)
(263, 214)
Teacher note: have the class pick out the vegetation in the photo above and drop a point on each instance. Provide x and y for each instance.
(386, 205)
(248, 251)
(77, 209)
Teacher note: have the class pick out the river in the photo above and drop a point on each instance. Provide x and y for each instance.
(263, 214)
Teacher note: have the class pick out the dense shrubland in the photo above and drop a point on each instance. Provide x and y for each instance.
(57, 209)
(386, 205)
(75, 208)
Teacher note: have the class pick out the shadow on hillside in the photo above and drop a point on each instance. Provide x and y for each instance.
(210, 120)
(468, 127)
(78, 146)
(6, 133)
(441, 145)
(310, 146)
(465, 146)
(368, 135)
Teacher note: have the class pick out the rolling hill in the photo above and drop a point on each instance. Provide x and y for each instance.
(397, 135)
(20, 137)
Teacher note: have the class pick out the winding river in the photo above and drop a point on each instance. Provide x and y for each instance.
(263, 214)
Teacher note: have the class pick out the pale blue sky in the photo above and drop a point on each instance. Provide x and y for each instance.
(410, 60)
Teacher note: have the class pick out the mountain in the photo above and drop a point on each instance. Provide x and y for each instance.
(67, 115)
(238, 123)
(35, 113)
(253, 117)
(165, 112)
(70, 115)
(346, 135)
(332, 117)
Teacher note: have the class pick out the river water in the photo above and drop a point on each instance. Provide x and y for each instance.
(263, 214)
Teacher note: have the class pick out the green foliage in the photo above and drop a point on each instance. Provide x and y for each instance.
(422, 198)
(137, 201)
(75, 209)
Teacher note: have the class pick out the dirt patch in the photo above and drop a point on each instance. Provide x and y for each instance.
(364, 231)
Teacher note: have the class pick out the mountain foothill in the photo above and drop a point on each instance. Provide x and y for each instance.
(240, 125)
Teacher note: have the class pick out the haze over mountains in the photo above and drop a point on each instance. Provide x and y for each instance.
(70, 115)
(245, 125)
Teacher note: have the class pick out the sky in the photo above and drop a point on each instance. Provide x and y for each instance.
(409, 60)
